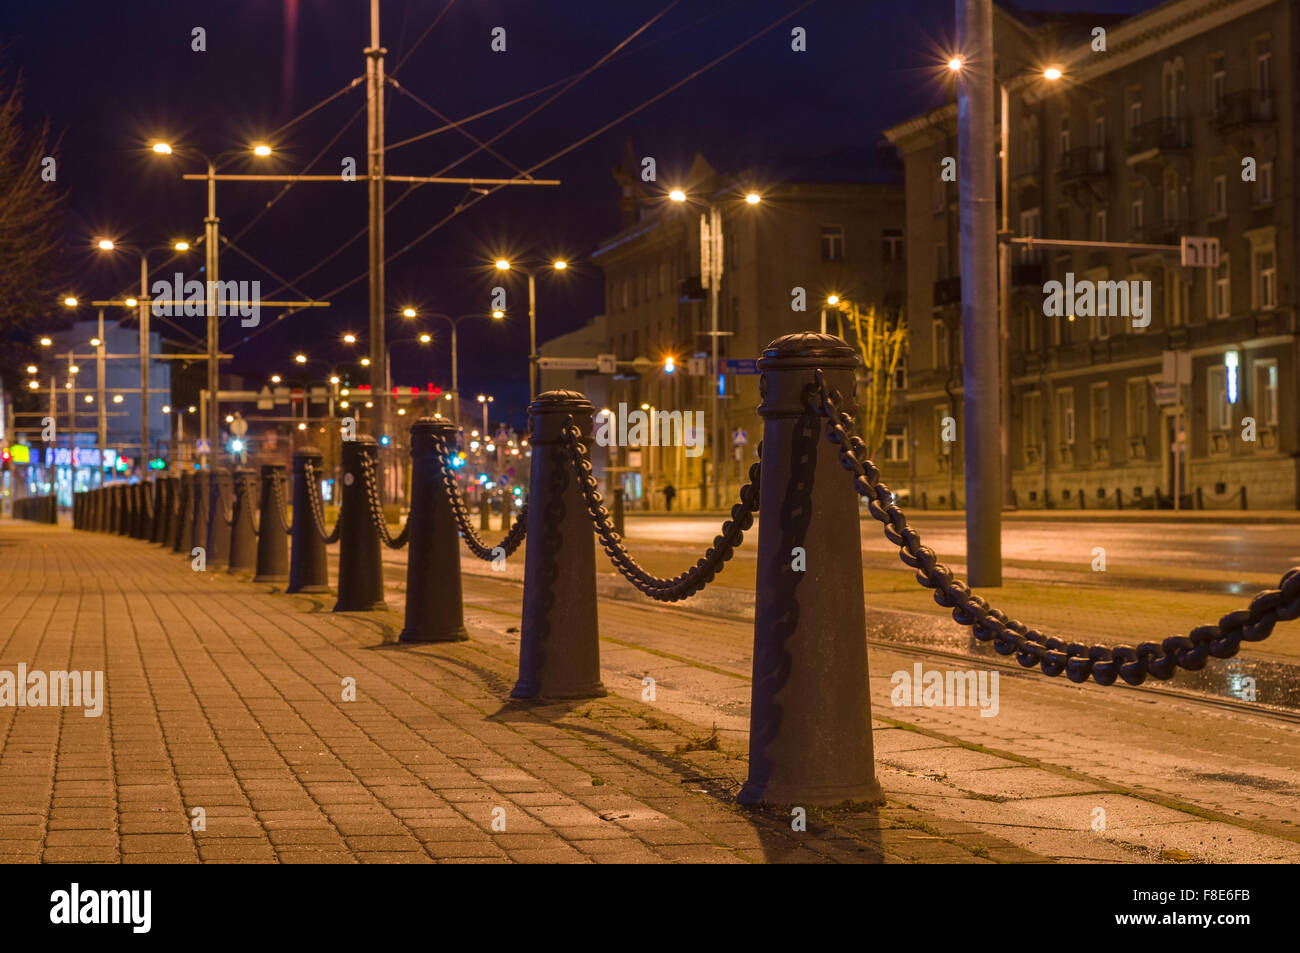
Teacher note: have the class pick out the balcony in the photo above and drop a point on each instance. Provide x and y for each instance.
(1159, 136)
(947, 291)
(1082, 164)
(1244, 108)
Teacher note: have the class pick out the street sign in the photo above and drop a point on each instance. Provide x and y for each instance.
(1197, 251)
(697, 366)
(1166, 394)
(606, 363)
(741, 366)
(202, 446)
(740, 437)
(568, 363)
(265, 401)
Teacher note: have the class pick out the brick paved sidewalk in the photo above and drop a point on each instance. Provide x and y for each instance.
(225, 701)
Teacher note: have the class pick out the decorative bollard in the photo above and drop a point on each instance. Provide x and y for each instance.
(307, 567)
(559, 656)
(140, 513)
(434, 611)
(243, 533)
(361, 569)
(166, 521)
(99, 509)
(199, 518)
(220, 510)
(158, 509)
(128, 510)
(810, 718)
(184, 511)
(484, 511)
(272, 535)
(114, 521)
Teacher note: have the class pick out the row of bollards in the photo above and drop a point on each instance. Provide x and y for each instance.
(37, 509)
(810, 731)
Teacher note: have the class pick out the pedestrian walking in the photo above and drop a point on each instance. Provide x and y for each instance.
(669, 492)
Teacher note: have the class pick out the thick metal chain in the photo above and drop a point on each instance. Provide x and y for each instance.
(278, 503)
(476, 545)
(318, 508)
(371, 487)
(691, 581)
(1104, 663)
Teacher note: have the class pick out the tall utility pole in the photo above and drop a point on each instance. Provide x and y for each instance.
(712, 248)
(1004, 299)
(375, 168)
(101, 420)
(143, 310)
(979, 294)
(210, 423)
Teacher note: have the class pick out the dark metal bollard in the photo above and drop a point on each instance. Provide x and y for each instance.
(184, 512)
(307, 566)
(810, 718)
(157, 509)
(139, 509)
(199, 518)
(434, 608)
(98, 510)
(505, 511)
(165, 522)
(484, 511)
(361, 568)
(128, 509)
(272, 535)
(221, 493)
(559, 656)
(243, 534)
(618, 504)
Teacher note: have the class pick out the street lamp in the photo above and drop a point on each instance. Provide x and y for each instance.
(711, 235)
(212, 244)
(455, 347)
(557, 264)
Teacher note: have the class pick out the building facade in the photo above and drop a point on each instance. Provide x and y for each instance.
(781, 257)
(1178, 122)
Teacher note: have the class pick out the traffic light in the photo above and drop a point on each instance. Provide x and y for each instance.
(670, 365)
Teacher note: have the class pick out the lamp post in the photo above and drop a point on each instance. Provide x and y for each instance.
(210, 424)
(711, 271)
(455, 347)
(504, 264)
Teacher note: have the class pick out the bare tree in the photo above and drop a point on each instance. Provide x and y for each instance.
(881, 340)
(31, 200)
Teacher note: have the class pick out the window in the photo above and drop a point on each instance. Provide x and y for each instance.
(1219, 196)
(1099, 326)
(1135, 409)
(1136, 209)
(1264, 64)
(1265, 279)
(1065, 416)
(1099, 226)
(1221, 290)
(1265, 397)
(1030, 225)
(1099, 416)
(900, 374)
(1134, 114)
(1218, 83)
(1176, 296)
(892, 239)
(1218, 410)
(896, 444)
(1172, 197)
(1099, 134)
(832, 242)
(1032, 424)
(622, 290)
(1065, 135)
(1033, 328)
(939, 343)
(1172, 88)
(1264, 184)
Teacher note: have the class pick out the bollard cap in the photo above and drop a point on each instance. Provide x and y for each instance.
(560, 402)
(308, 453)
(437, 426)
(808, 347)
(270, 469)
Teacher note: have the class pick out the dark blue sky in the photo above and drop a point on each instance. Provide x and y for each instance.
(111, 76)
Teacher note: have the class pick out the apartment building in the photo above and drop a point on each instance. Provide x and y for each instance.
(1179, 121)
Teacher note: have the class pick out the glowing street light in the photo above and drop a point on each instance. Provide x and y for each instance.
(131, 302)
(46, 342)
(677, 195)
(31, 368)
(300, 358)
(105, 244)
(753, 198)
(162, 148)
(498, 314)
(70, 301)
(408, 312)
(95, 342)
(117, 398)
(181, 246)
(832, 299)
(559, 264)
(955, 64)
(349, 338)
(34, 385)
(261, 150)
(503, 265)
(1052, 73)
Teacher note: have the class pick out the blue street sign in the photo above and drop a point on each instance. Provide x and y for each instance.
(741, 366)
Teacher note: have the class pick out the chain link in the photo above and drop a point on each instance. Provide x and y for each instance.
(1103, 663)
(482, 550)
(371, 486)
(691, 581)
(317, 507)
(278, 502)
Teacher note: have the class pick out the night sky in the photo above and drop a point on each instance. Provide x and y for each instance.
(111, 77)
